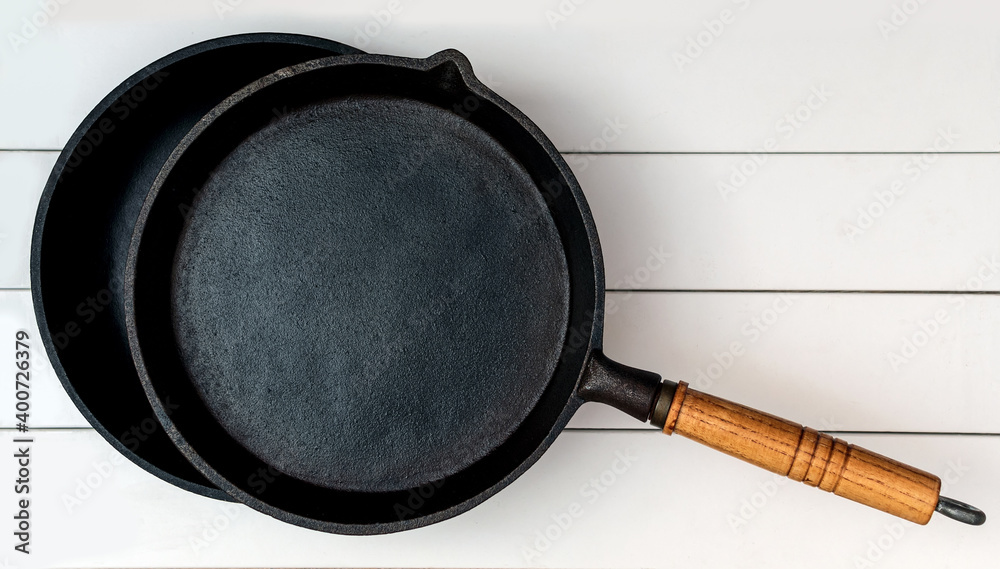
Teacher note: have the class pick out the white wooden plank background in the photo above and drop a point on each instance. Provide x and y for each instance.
(787, 228)
(676, 504)
(812, 364)
(607, 59)
(703, 241)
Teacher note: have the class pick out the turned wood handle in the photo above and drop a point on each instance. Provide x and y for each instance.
(803, 454)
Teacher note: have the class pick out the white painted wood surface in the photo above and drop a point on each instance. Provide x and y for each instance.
(671, 503)
(708, 234)
(825, 361)
(795, 225)
(888, 92)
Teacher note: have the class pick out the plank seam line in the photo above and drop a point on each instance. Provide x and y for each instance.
(904, 433)
(741, 291)
(639, 430)
(691, 152)
(799, 291)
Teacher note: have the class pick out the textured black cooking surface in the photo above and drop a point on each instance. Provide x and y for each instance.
(365, 302)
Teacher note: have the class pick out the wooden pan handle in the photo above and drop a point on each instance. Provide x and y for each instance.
(803, 454)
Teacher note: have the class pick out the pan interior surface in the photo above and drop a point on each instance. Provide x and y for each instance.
(369, 293)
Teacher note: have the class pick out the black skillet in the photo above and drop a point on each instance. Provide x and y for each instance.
(376, 311)
(86, 217)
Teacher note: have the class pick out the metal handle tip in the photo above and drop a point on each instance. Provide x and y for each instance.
(961, 511)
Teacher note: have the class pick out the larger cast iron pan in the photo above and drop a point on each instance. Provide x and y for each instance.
(376, 311)
(86, 216)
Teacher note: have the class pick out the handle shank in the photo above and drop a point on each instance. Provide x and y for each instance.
(798, 452)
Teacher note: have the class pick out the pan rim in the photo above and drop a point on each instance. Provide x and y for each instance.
(594, 336)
